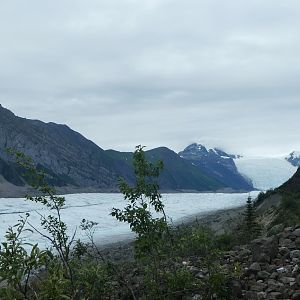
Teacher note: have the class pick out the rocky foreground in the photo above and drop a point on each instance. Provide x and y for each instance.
(267, 268)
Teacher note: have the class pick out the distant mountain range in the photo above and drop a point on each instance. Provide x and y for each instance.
(75, 164)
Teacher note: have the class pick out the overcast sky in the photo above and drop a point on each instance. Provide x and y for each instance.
(157, 72)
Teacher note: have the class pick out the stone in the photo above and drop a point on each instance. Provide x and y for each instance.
(264, 258)
(263, 275)
(258, 287)
(297, 232)
(251, 295)
(295, 254)
(271, 268)
(236, 289)
(255, 267)
(200, 275)
(282, 270)
(296, 296)
(274, 275)
(267, 246)
(283, 250)
(287, 243)
(274, 295)
(273, 287)
(286, 280)
(275, 229)
(193, 270)
(261, 295)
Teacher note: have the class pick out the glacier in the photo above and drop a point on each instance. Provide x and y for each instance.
(97, 207)
(265, 172)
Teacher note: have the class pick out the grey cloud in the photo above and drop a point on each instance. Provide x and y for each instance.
(157, 72)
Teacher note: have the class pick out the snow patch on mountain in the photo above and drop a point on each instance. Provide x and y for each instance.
(265, 173)
(218, 164)
(294, 158)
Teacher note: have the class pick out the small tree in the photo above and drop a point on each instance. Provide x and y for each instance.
(146, 217)
(141, 198)
(251, 228)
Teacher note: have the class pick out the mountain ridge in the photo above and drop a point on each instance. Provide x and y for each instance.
(75, 164)
(217, 163)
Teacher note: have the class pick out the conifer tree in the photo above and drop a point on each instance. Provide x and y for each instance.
(251, 225)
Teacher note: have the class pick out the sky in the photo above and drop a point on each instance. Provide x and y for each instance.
(157, 72)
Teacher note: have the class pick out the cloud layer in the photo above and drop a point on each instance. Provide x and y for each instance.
(157, 72)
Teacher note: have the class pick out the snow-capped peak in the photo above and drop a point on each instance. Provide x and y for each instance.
(200, 150)
(294, 158)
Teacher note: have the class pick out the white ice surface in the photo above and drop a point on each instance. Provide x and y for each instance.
(265, 173)
(97, 207)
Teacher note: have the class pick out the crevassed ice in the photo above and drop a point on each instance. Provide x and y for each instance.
(97, 207)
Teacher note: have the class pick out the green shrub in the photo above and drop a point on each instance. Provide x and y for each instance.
(288, 212)
(172, 284)
(17, 264)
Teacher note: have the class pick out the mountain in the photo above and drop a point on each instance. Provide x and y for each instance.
(178, 174)
(293, 184)
(217, 164)
(294, 158)
(68, 158)
(265, 172)
(73, 163)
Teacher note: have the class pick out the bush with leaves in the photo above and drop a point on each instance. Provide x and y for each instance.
(17, 264)
(143, 197)
(78, 270)
(63, 269)
(161, 248)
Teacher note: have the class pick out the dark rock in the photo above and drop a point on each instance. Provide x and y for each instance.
(258, 287)
(194, 270)
(286, 280)
(261, 295)
(263, 275)
(251, 295)
(274, 275)
(296, 295)
(297, 232)
(296, 269)
(264, 247)
(236, 289)
(274, 295)
(295, 254)
(255, 267)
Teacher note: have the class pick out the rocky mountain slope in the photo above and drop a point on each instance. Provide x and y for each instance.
(293, 184)
(218, 164)
(178, 174)
(67, 157)
(75, 164)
